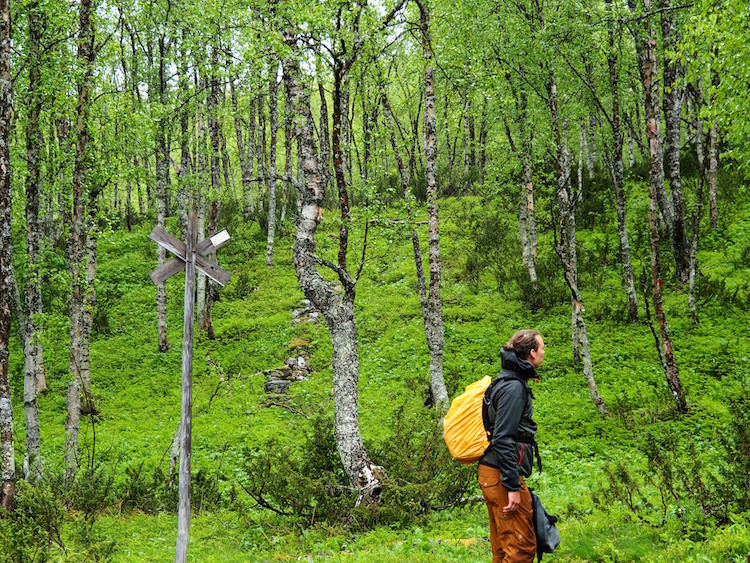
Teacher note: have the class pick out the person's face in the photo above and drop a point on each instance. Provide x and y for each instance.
(536, 356)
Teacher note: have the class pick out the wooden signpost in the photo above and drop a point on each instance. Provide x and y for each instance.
(188, 256)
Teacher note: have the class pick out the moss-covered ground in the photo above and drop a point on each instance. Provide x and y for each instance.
(137, 389)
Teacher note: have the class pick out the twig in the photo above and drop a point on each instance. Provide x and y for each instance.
(282, 405)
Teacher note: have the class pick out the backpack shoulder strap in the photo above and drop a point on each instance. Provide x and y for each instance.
(488, 399)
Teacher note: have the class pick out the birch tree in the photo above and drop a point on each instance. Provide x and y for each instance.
(434, 325)
(77, 241)
(273, 106)
(613, 153)
(7, 461)
(337, 307)
(34, 378)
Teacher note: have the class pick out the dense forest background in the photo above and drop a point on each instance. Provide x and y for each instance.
(405, 184)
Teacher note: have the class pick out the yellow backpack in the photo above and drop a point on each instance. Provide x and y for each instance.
(463, 426)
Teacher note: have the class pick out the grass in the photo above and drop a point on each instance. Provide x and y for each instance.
(138, 392)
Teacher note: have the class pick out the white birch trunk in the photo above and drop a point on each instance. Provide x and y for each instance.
(7, 461)
(273, 101)
(337, 309)
(429, 131)
(672, 106)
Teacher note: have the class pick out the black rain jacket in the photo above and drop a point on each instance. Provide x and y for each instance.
(511, 408)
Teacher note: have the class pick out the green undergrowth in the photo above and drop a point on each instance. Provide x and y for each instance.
(237, 427)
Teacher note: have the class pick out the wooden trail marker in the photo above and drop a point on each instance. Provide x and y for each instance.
(188, 256)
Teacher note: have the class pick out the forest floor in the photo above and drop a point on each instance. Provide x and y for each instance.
(137, 392)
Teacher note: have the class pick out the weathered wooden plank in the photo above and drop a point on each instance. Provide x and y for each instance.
(212, 244)
(166, 270)
(186, 424)
(161, 237)
(219, 275)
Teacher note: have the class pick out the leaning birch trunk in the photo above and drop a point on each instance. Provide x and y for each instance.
(273, 103)
(672, 105)
(77, 240)
(7, 461)
(566, 248)
(565, 190)
(672, 372)
(33, 354)
(644, 34)
(337, 309)
(617, 171)
(429, 130)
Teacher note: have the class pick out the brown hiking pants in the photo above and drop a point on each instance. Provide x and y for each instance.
(512, 533)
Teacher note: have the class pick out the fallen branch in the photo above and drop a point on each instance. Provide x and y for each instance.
(282, 405)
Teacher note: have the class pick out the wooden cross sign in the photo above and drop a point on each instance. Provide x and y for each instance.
(190, 256)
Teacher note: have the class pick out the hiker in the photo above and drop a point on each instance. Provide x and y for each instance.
(511, 453)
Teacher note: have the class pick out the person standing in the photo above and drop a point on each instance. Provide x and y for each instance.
(510, 455)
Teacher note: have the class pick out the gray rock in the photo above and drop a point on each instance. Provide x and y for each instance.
(278, 386)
